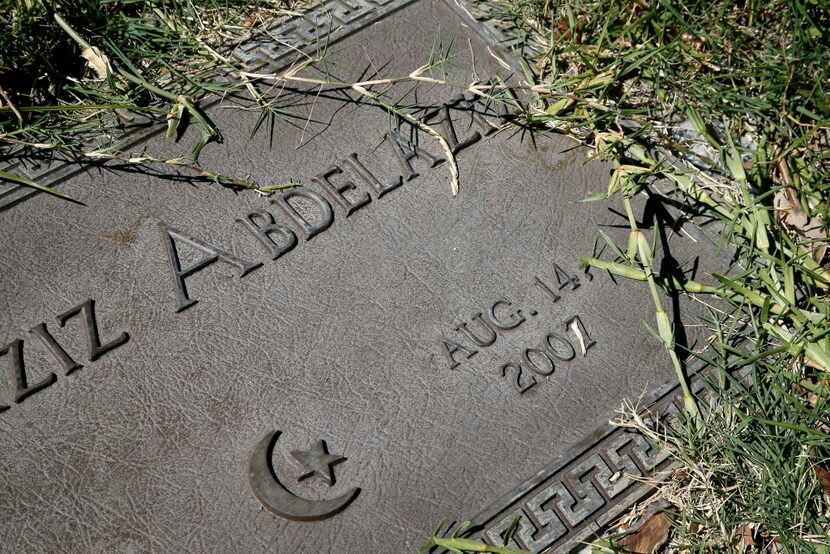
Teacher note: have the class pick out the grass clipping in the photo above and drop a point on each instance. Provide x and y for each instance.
(722, 108)
(754, 478)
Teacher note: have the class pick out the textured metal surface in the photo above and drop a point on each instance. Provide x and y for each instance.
(584, 490)
(447, 347)
(286, 39)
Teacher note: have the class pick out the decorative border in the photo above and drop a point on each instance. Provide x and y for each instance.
(579, 493)
(585, 489)
(285, 40)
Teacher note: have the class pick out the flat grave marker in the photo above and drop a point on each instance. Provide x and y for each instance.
(340, 365)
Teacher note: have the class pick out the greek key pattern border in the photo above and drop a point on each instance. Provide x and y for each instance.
(587, 488)
(579, 493)
(285, 40)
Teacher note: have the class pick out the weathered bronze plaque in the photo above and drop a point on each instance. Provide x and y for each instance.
(338, 366)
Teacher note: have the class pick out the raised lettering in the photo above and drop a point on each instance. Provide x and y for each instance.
(263, 232)
(446, 125)
(471, 104)
(518, 384)
(546, 369)
(542, 285)
(481, 121)
(575, 325)
(93, 340)
(169, 236)
(379, 188)
(556, 353)
(336, 191)
(490, 337)
(406, 151)
(563, 278)
(514, 317)
(450, 347)
(18, 368)
(308, 229)
(56, 350)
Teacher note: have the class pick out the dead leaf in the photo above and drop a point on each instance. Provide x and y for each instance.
(795, 220)
(651, 535)
(252, 20)
(823, 478)
(97, 61)
(746, 535)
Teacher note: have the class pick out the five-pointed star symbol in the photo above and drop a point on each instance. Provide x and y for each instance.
(317, 460)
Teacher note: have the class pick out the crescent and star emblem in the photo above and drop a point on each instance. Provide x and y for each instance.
(277, 499)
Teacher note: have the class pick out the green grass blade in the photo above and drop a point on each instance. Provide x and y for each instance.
(29, 183)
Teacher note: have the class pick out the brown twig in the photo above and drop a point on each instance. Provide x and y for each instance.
(12, 107)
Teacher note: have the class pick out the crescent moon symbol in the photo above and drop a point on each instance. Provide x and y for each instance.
(279, 500)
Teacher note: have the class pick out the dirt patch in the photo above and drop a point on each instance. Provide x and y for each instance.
(122, 237)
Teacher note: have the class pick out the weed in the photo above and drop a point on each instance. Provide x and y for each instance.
(77, 75)
(722, 107)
